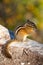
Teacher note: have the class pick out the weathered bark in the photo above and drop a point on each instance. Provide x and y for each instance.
(30, 53)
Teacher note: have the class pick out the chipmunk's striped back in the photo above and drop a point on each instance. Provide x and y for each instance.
(21, 34)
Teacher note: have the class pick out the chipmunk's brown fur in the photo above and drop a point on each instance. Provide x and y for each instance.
(21, 34)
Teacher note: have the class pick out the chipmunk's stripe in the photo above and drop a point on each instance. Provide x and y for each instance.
(32, 24)
(16, 32)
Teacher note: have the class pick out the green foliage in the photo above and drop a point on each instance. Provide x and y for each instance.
(19, 10)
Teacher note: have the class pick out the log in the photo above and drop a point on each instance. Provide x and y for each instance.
(28, 53)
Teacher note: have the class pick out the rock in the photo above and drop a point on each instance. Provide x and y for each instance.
(4, 35)
(24, 53)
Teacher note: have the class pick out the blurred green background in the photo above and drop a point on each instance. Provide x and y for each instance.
(16, 12)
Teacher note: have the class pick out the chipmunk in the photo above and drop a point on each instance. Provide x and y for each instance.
(21, 33)
(20, 36)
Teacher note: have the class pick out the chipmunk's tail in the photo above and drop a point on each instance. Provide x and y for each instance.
(6, 49)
